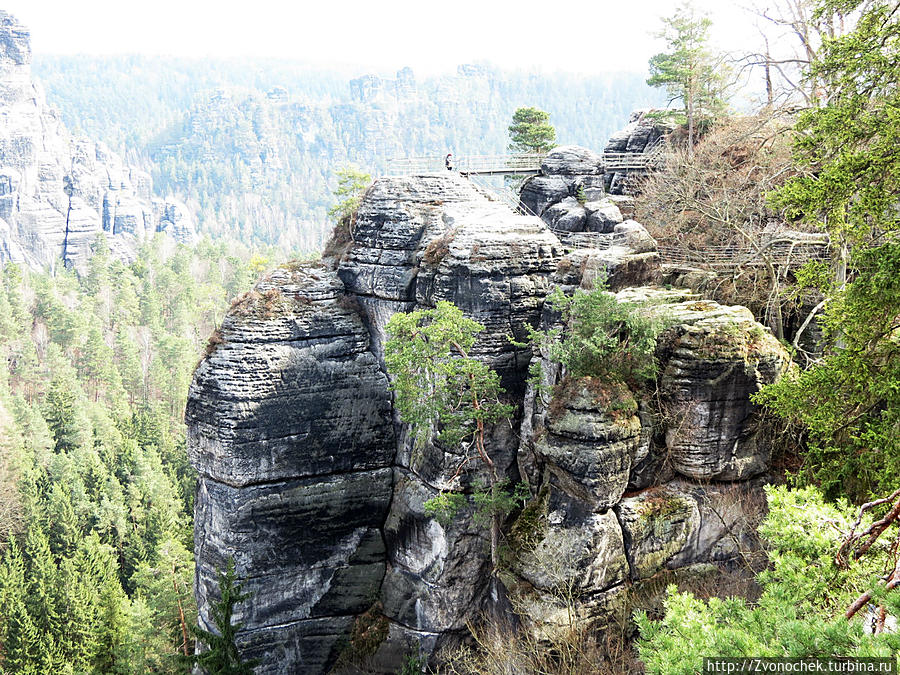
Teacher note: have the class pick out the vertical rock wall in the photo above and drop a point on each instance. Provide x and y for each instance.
(290, 428)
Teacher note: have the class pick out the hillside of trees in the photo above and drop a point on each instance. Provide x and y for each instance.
(253, 148)
(96, 494)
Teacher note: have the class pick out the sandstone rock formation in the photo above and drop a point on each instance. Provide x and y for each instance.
(57, 193)
(313, 484)
(641, 135)
(577, 192)
(586, 442)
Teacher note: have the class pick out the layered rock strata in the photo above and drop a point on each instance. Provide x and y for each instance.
(57, 193)
(311, 482)
(600, 452)
(290, 428)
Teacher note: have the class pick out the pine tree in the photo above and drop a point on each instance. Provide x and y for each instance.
(689, 70)
(222, 656)
(531, 131)
(848, 183)
(42, 583)
(61, 410)
(441, 389)
(20, 637)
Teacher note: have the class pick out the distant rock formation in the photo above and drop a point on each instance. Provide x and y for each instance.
(370, 87)
(309, 479)
(57, 193)
(642, 134)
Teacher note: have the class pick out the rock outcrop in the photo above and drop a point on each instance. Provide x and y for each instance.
(641, 136)
(57, 193)
(598, 452)
(290, 428)
(309, 479)
(578, 190)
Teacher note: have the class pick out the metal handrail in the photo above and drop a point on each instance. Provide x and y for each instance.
(523, 163)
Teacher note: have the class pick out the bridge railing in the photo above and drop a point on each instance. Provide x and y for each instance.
(483, 164)
(781, 254)
(523, 164)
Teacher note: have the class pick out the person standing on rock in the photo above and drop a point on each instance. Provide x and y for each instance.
(448, 161)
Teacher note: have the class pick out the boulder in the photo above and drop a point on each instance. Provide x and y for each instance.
(602, 216)
(591, 441)
(680, 524)
(567, 215)
(572, 160)
(712, 359)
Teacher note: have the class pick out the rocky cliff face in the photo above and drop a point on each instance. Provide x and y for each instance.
(312, 483)
(57, 192)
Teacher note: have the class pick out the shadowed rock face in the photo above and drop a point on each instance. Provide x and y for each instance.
(311, 482)
(57, 193)
(290, 429)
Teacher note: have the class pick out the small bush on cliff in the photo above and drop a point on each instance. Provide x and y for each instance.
(352, 184)
(601, 337)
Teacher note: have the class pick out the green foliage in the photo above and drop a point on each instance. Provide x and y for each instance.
(439, 388)
(98, 574)
(800, 611)
(848, 186)
(689, 71)
(413, 665)
(444, 507)
(531, 131)
(443, 392)
(498, 500)
(351, 185)
(222, 656)
(580, 194)
(601, 337)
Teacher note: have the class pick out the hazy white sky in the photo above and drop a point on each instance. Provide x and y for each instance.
(429, 35)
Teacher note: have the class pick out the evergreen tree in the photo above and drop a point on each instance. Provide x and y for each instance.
(442, 390)
(222, 656)
(847, 151)
(351, 184)
(64, 418)
(42, 583)
(689, 71)
(21, 640)
(531, 131)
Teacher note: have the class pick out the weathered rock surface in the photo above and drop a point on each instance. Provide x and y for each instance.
(682, 523)
(315, 486)
(591, 441)
(572, 160)
(57, 193)
(623, 258)
(295, 396)
(289, 422)
(585, 442)
(713, 358)
(641, 135)
(570, 177)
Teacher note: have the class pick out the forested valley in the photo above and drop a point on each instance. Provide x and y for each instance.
(97, 562)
